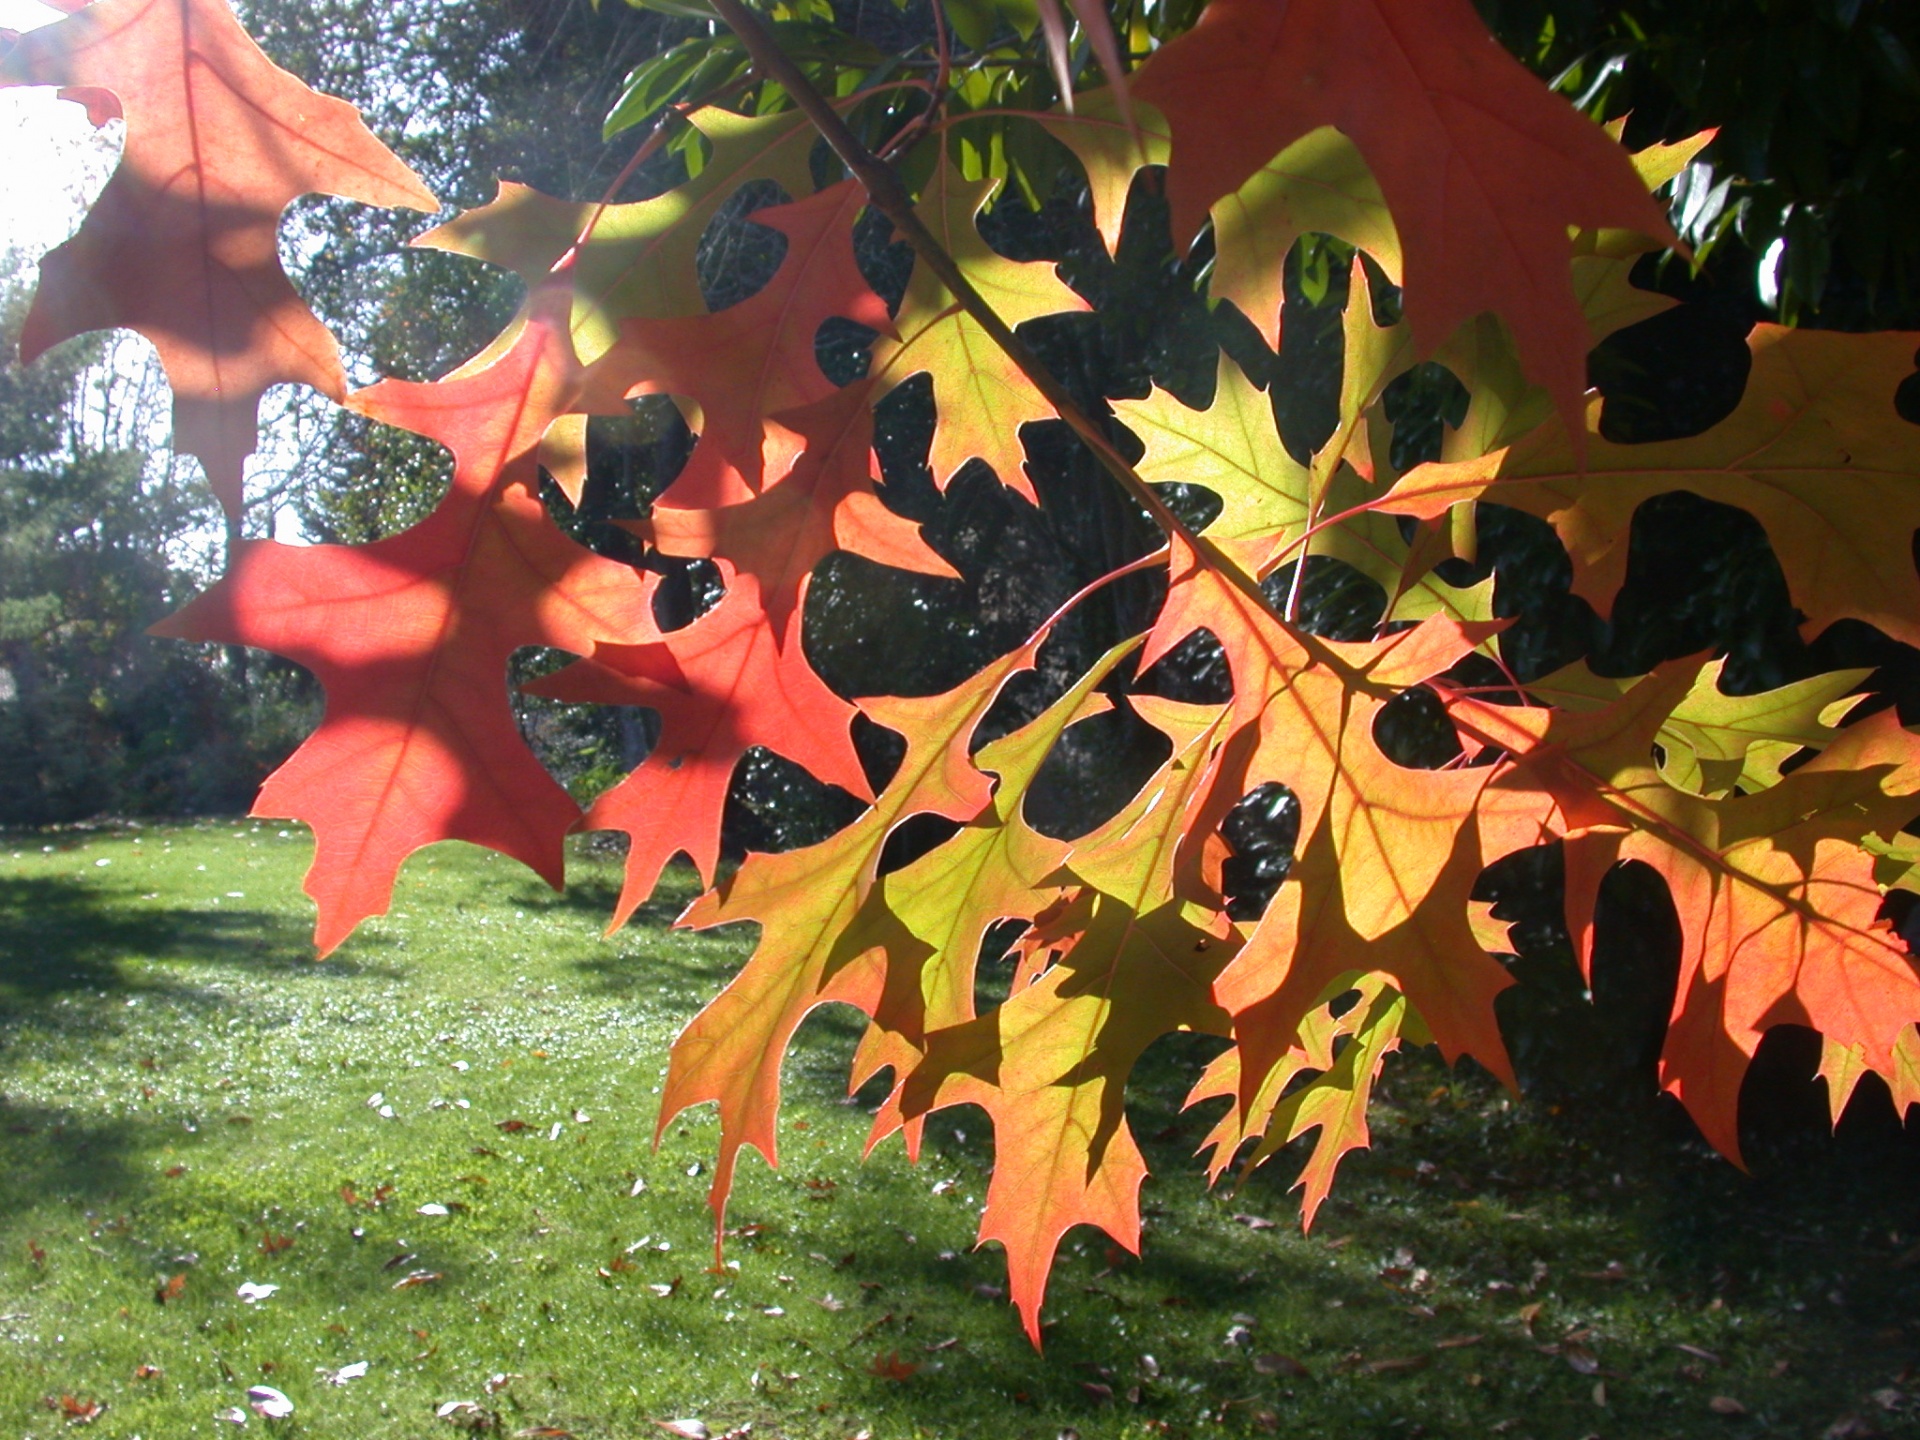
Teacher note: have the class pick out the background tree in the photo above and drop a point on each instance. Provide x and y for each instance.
(99, 538)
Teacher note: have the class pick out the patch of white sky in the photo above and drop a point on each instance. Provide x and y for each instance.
(56, 161)
(56, 164)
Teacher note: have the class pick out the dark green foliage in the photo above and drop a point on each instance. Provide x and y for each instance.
(94, 716)
(1818, 105)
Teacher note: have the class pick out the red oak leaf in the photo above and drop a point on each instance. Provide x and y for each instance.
(411, 636)
(1483, 167)
(823, 500)
(751, 360)
(722, 685)
(182, 245)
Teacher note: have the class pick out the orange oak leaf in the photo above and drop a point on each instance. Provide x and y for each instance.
(182, 245)
(751, 360)
(721, 685)
(1050, 1065)
(1777, 898)
(1387, 856)
(1312, 704)
(1375, 1020)
(1815, 451)
(411, 637)
(1305, 948)
(932, 916)
(805, 901)
(821, 498)
(1484, 169)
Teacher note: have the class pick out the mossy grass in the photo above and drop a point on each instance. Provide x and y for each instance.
(463, 1097)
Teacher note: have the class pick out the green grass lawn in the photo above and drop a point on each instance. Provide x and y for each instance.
(436, 1145)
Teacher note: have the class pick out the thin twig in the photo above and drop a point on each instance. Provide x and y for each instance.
(942, 78)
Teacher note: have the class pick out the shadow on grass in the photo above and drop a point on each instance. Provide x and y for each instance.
(595, 894)
(53, 1153)
(61, 936)
(68, 945)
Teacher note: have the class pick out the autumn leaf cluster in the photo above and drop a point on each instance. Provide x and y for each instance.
(1508, 225)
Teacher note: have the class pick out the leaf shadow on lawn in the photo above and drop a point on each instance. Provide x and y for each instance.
(60, 935)
(52, 1151)
(646, 960)
(70, 953)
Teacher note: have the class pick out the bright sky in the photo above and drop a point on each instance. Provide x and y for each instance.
(55, 161)
(54, 165)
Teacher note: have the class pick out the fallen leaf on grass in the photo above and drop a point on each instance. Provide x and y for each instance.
(1851, 1427)
(510, 1127)
(1456, 1342)
(272, 1244)
(345, 1373)
(417, 1277)
(268, 1403)
(251, 1293)
(689, 1429)
(828, 1303)
(890, 1366)
(397, 1261)
(74, 1409)
(1255, 1222)
(465, 1414)
(543, 1430)
(174, 1172)
(1397, 1365)
(146, 1372)
(1726, 1405)
(233, 1415)
(663, 1291)
(433, 1207)
(172, 1288)
(1270, 1364)
(1698, 1353)
(1580, 1360)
